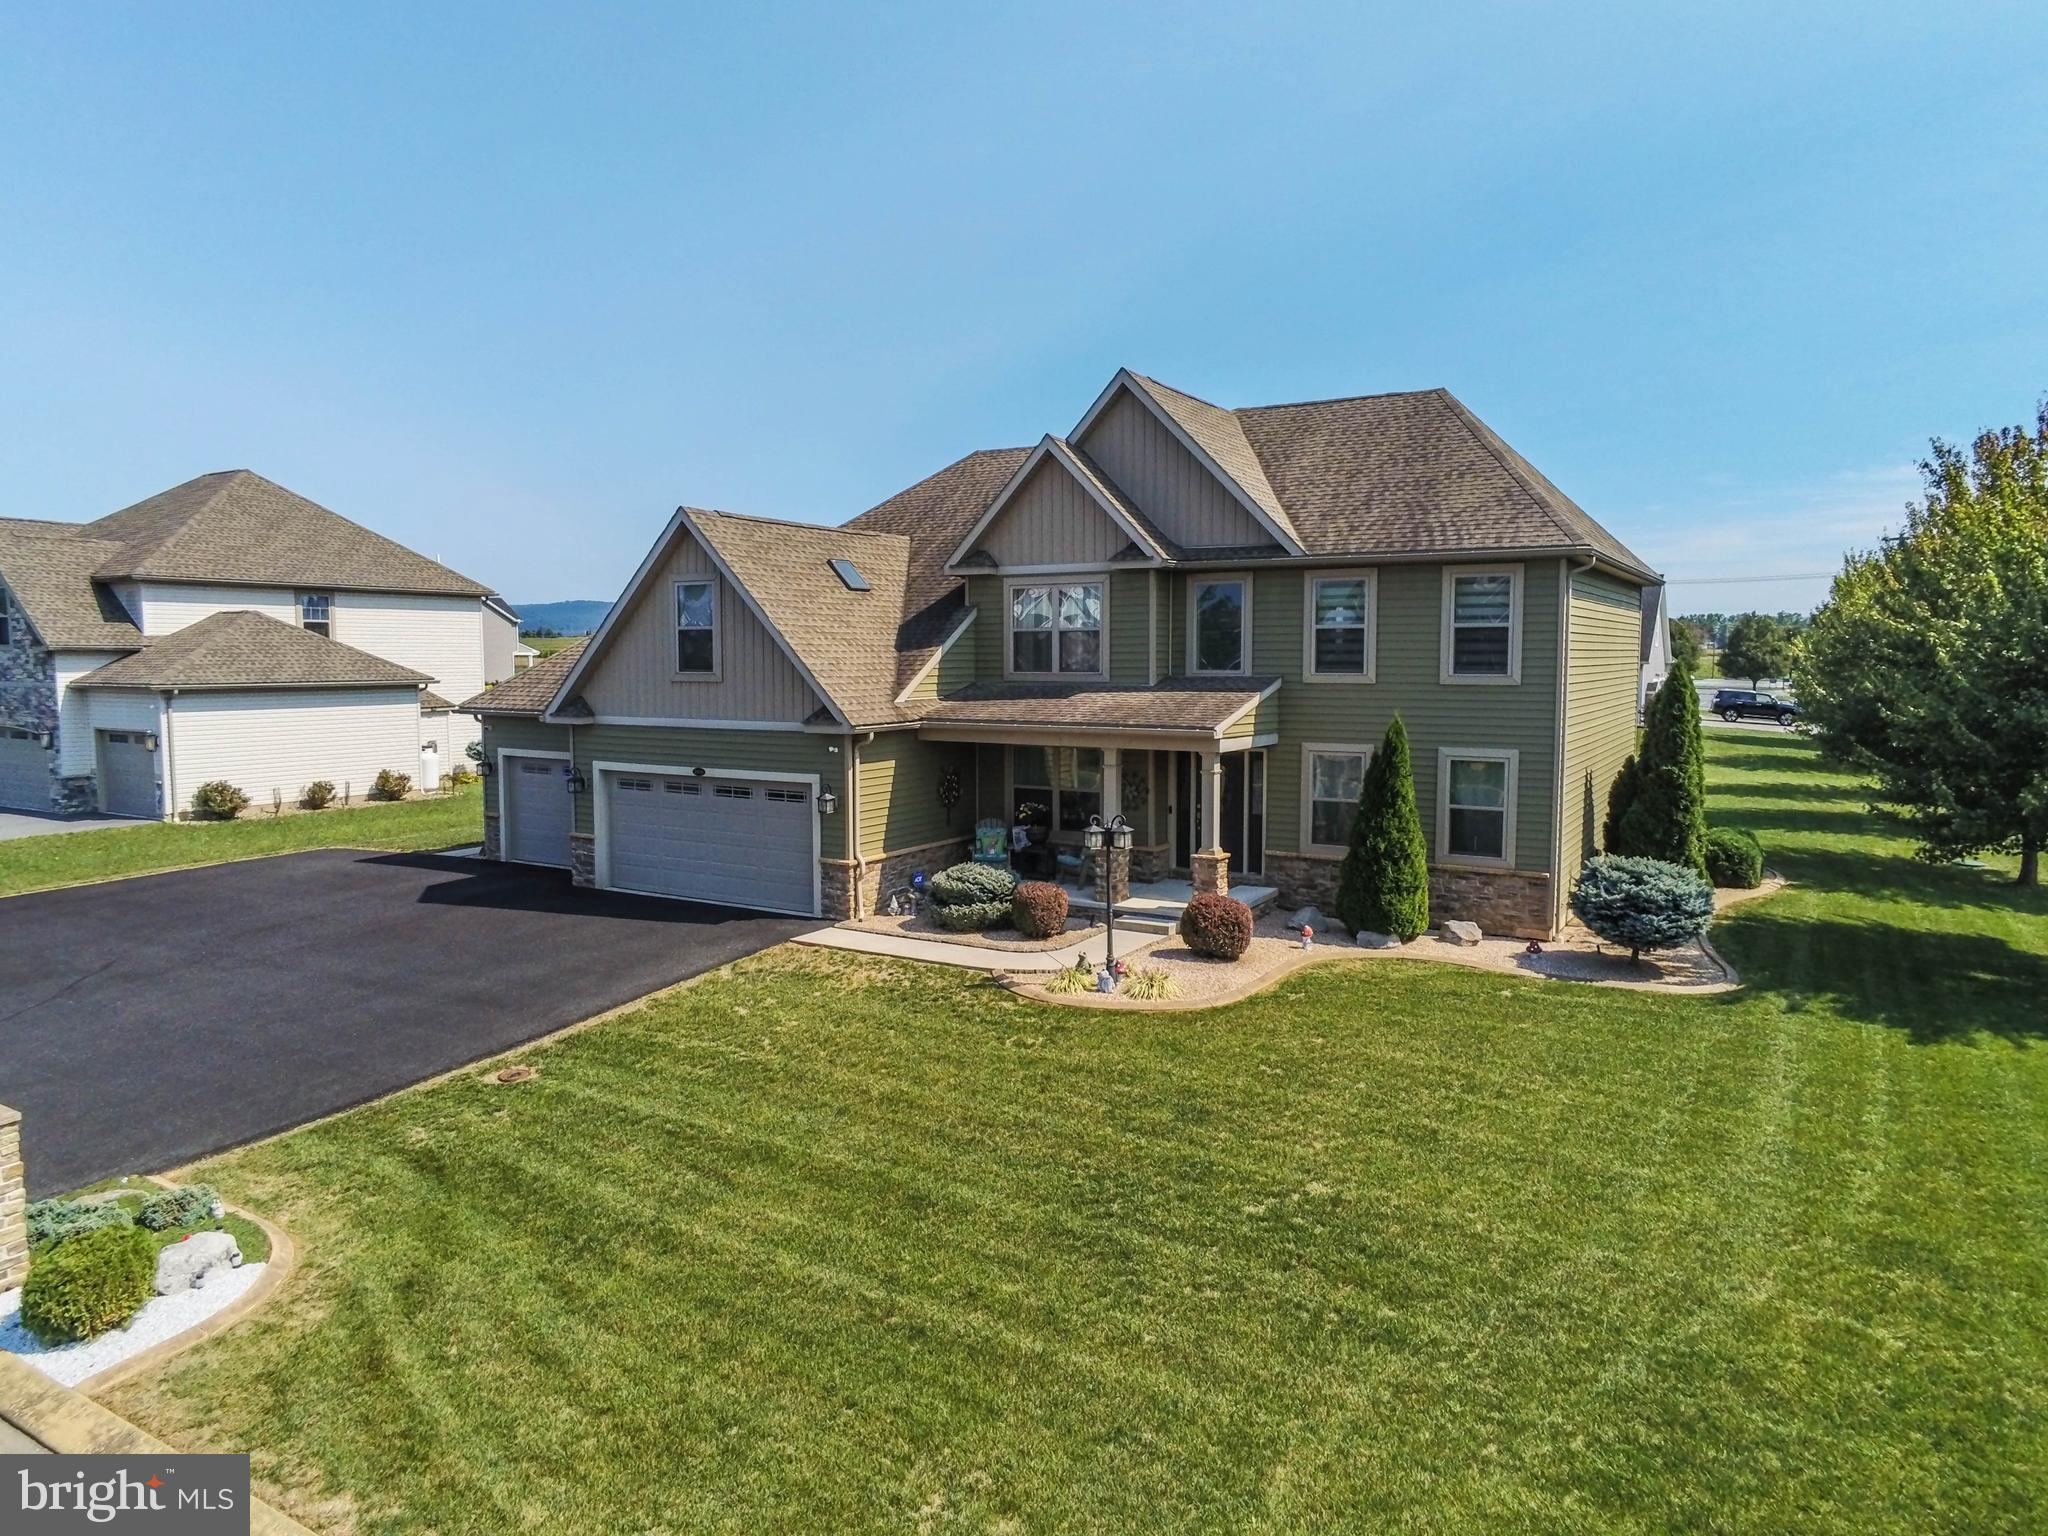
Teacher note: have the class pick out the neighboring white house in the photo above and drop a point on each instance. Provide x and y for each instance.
(230, 629)
(1656, 645)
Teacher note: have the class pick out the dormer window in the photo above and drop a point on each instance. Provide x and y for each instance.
(696, 630)
(1056, 630)
(316, 613)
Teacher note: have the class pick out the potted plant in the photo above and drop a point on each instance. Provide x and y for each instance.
(1036, 820)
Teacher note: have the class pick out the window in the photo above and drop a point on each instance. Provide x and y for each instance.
(1331, 780)
(849, 573)
(6, 618)
(787, 796)
(733, 792)
(1482, 631)
(1339, 617)
(1067, 781)
(1217, 624)
(1056, 629)
(316, 613)
(1476, 806)
(696, 627)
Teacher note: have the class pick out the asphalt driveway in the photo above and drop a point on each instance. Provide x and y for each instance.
(146, 1022)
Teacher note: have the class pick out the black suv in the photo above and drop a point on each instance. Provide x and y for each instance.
(1740, 704)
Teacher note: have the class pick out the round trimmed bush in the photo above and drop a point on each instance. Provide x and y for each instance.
(1642, 903)
(962, 885)
(1735, 859)
(973, 916)
(57, 1220)
(218, 800)
(168, 1208)
(80, 1289)
(1039, 909)
(1217, 926)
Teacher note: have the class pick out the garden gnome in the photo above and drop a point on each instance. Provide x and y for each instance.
(1308, 937)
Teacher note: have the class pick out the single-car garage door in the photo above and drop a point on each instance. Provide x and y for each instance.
(537, 810)
(24, 771)
(127, 774)
(732, 840)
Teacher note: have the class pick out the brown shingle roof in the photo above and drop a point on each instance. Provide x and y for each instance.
(528, 692)
(1221, 436)
(1412, 474)
(1199, 704)
(49, 569)
(236, 526)
(852, 643)
(243, 649)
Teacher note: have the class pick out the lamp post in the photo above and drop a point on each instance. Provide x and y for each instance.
(1110, 840)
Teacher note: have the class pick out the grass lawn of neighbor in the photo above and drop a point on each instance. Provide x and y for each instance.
(71, 858)
(830, 1244)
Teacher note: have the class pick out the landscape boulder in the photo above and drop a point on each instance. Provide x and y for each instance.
(189, 1263)
(1457, 932)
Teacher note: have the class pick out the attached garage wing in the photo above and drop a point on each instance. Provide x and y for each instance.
(127, 770)
(534, 825)
(730, 839)
(24, 771)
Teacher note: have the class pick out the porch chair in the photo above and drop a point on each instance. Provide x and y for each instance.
(991, 843)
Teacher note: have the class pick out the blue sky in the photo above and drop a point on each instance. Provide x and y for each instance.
(509, 282)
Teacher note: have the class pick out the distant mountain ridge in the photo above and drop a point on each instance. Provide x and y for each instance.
(575, 616)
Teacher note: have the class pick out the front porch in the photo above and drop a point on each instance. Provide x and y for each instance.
(1157, 904)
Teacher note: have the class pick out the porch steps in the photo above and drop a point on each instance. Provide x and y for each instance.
(1156, 908)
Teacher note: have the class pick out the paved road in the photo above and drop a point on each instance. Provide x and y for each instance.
(146, 1022)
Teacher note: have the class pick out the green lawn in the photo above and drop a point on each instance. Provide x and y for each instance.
(547, 645)
(829, 1245)
(68, 858)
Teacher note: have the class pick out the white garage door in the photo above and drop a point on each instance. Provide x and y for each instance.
(735, 841)
(535, 824)
(24, 771)
(127, 774)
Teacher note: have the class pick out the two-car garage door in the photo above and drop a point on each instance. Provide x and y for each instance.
(730, 839)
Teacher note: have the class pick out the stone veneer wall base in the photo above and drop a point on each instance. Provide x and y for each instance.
(1514, 903)
(13, 1202)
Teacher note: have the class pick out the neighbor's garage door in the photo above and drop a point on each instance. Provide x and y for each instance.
(127, 774)
(537, 810)
(24, 771)
(736, 841)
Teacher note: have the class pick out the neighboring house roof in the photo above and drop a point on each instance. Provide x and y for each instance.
(528, 692)
(49, 570)
(432, 700)
(1202, 704)
(242, 649)
(235, 526)
(500, 607)
(1656, 631)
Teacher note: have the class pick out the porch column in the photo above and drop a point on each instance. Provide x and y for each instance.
(1211, 867)
(1113, 803)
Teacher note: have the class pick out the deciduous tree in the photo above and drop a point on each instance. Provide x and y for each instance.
(1928, 666)
(1758, 647)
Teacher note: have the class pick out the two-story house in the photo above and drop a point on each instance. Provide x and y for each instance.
(228, 629)
(1198, 618)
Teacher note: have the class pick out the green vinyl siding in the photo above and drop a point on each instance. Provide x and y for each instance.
(1522, 716)
(899, 792)
(985, 640)
(655, 746)
(1601, 685)
(1126, 624)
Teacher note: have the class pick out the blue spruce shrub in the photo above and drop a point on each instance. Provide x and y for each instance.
(57, 1220)
(1642, 903)
(969, 897)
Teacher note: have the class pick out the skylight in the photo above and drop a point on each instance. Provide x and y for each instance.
(849, 573)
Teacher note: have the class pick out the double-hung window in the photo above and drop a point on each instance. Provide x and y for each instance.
(1482, 624)
(1056, 629)
(1219, 627)
(1065, 781)
(696, 629)
(1339, 617)
(316, 613)
(1476, 806)
(1331, 780)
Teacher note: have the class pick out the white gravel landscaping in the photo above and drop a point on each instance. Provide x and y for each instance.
(161, 1318)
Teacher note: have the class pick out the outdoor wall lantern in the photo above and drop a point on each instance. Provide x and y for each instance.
(827, 802)
(43, 740)
(574, 780)
(485, 767)
(149, 741)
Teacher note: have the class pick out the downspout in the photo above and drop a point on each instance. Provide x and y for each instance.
(169, 809)
(1560, 898)
(855, 902)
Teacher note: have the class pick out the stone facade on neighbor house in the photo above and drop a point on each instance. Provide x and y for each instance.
(1200, 619)
(228, 629)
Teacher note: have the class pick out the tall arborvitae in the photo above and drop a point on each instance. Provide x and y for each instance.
(1667, 819)
(1383, 883)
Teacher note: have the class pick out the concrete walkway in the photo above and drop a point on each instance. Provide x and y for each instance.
(974, 957)
(47, 823)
